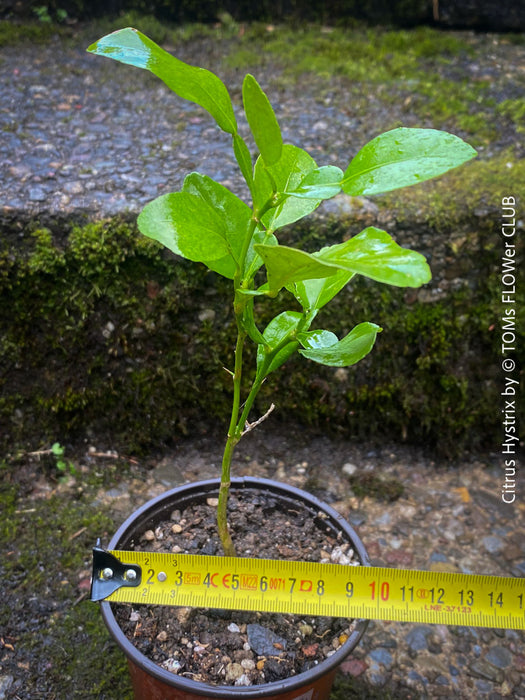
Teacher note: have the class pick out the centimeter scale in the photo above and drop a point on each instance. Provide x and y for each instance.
(308, 588)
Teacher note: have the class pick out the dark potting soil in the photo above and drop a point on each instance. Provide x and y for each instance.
(221, 647)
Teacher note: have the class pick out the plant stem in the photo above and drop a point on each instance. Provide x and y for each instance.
(236, 427)
(231, 442)
(222, 506)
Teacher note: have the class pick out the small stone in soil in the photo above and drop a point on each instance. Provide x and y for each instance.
(263, 641)
(233, 672)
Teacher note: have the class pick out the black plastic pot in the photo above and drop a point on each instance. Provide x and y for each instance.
(151, 682)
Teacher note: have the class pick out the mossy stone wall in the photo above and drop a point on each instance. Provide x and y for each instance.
(104, 335)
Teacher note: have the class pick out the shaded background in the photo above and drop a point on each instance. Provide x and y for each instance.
(479, 14)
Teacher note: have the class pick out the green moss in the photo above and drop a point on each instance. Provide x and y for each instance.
(515, 111)
(376, 487)
(100, 320)
(47, 544)
(436, 363)
(13, 33)
(100, 334)
(372, 61)
(436, 204)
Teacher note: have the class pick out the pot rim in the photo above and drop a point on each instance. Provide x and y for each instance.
(153, 506)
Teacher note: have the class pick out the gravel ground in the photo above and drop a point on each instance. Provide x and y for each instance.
(81, 138)
(82, 134)
(432, 516)
(449, 518)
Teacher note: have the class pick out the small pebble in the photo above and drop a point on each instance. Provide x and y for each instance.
(233, 672)
(243, 680)
(339, 556)
(499, 657)
(349, 469)
(206, 315)
(310, 650)
(171, 665)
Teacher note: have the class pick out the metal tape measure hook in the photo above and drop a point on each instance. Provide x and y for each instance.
(110, 574)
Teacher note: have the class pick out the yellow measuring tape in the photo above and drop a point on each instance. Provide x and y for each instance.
(308, 588)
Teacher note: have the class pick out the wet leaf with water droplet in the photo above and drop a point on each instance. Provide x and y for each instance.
(404, 157)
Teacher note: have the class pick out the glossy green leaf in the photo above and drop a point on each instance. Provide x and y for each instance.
(236, 218)
(279, 335)
(194, 84)
(313, 340)
(235, 215)
(313, 294)
(205, 222)
(185, 225)
(403, 157)
(280, 328)
(253, 259)
(262, 120)
(321, 183)
(287, 173)
(373, 253)
(285, 265)
(244, 159)
(345, 352)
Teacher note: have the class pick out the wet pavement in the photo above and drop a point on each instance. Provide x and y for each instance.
(84, 135)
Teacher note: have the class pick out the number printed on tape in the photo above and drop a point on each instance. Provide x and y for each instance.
(309, 588)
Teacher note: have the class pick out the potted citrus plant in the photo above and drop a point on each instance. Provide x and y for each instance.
(207, 223)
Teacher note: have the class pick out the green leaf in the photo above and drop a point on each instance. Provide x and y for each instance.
(403, 157)
(280, 328)
(279, 335)
(262, 121)
(285, 265)
(205, 222)
(287, 173)
(345, 352)
(313, 294)
(373, 253)
(321, 183)
(189, 82)
(186, 225)
(57, 449)
(253, 259)
(235, 216)
(244, 160)
(312, 340)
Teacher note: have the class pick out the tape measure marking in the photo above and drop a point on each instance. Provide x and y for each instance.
(310, 588)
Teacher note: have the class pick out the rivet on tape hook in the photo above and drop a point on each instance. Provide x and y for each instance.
(110, 574)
